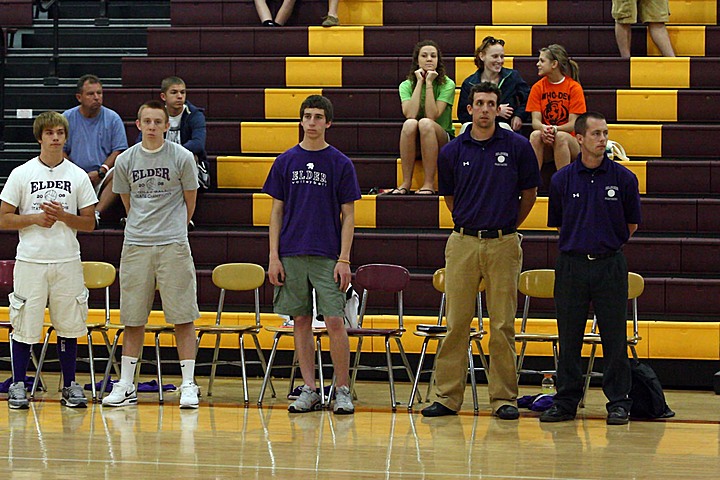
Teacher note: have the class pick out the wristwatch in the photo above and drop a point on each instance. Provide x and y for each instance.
(101, 173)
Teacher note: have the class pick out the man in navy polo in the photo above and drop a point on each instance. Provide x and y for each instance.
(489, 177)
(595, 205)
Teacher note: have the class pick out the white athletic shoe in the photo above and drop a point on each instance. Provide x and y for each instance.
(189, 396)
(122, 394)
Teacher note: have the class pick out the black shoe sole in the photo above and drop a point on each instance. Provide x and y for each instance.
(617, 421)
(559, 418)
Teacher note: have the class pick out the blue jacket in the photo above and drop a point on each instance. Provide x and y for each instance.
(512, 86)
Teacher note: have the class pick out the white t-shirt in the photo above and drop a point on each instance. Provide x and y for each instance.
(33, 183)
(173, 134)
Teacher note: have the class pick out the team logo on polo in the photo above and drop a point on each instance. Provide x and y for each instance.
(309, 176)
(612, 192)
(501, 159)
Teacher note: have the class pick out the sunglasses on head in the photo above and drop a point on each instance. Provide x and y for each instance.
(493, 41)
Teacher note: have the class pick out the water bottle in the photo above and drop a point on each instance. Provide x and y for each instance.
(547, 386)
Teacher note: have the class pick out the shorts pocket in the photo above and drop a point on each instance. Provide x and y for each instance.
(17, 308)
(82, 305)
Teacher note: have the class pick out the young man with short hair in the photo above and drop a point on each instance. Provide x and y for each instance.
(157, 181)
(313, 179)
(48, 199)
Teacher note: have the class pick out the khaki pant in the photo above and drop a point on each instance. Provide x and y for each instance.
(469, 259)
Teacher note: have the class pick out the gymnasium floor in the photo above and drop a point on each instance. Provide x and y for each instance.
(224, 440)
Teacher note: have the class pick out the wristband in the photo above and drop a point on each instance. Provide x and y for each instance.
(107, 169)
(554, 129)
(342, 260)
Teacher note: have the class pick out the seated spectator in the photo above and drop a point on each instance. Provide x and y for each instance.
(281, 17)
(331, 19)
(655, 13)
(555, 101)
(489, 58)
(96, 137)
(425, 96)
(187, 124)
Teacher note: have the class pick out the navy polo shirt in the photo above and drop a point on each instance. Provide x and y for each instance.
(485, 178)
(593, 207)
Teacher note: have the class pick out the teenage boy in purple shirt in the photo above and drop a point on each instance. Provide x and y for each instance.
(595, 205)
(489, 177)
(312, 221)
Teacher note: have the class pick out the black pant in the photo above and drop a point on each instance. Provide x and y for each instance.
(579, 281)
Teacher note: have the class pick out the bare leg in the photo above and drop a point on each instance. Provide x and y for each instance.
(305, 348)
(339, 349)
(564, 149)
(408, 151)
(333, 7)
(107, 197)
(133, 339)
(262, 10)
(659, 35)
(285, 11)
(432, 137)
(538, 147)
(622, 37)
(186, 340)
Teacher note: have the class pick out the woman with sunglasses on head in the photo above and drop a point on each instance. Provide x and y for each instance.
(425, 96)
(555, 101)
(489, 58)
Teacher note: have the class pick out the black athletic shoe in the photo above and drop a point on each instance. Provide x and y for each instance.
(437, 410)
(618, 416)
(556, 414)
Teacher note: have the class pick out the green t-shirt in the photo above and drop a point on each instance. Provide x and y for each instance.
(444, 93)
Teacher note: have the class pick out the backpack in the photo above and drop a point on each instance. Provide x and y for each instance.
(647, 394)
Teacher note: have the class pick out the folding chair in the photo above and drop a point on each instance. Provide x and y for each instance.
(235, 277)
(636, 286)
(535, 284)
(381, 278)
(438, 332)
(96, 275)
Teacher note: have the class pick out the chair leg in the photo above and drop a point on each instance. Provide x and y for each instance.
(588, 376)
(243, 368)
(261, 358)
(521, 358)
(106, 375)
(91, 361)
(356, 364)
(116, 366)
(325, 402)
(414, 390)
(268, 371)
(43, 352)
(293, 372)
(213, 367)
(405, 361)
(473, 382)
(391, 378)
(161, 398)
(483, 358)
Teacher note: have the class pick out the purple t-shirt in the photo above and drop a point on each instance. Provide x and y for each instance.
(593, 207)
(485, 178)
(313, 186)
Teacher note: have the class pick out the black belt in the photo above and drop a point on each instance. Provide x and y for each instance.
(593, 256)
(485, 233)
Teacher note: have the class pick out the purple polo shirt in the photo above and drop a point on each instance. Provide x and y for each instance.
(313, 186)
(593, 207)
(485, 178)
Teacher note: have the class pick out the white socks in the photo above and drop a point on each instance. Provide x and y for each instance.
(127, 371)
(187, 367)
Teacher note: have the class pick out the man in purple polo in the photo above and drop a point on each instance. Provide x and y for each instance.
(489, 177)
(595, 205)
(312, 220)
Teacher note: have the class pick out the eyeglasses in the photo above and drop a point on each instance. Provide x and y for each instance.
(493, 41)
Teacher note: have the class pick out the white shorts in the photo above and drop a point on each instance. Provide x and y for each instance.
(171, 270)
(61, 287)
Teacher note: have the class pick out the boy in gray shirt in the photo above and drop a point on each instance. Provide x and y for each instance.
(157, 181)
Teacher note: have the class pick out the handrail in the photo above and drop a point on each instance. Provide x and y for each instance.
(2, 88)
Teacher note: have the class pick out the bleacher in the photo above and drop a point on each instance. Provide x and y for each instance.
(251, 80)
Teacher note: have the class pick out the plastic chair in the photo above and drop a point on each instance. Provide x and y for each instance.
(235, 277)
(636, 286)
(438, 332)
(96, 275)
(384, 278)
(535, 284)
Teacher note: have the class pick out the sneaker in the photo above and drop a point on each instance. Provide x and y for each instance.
(343, 401)
(189, 396)
(618, 416)
(17, 396)
(121, 395)
(556, 414)
(308, 401)
(330, 21)
(73, 396)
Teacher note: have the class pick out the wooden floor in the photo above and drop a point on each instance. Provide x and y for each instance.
(224, 440)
